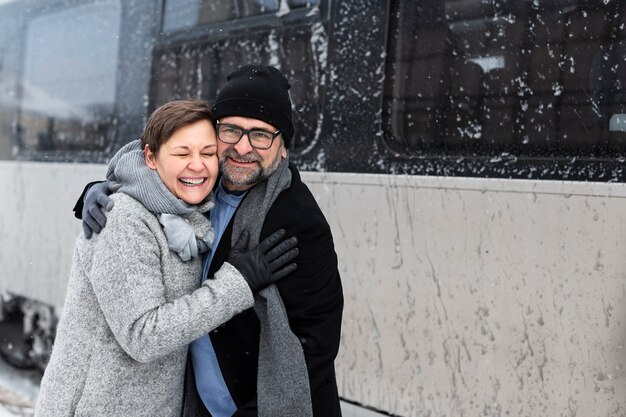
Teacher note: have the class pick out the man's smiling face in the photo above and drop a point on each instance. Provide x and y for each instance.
(243, 166)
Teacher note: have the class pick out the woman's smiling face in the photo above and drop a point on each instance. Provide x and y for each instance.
(187, 161)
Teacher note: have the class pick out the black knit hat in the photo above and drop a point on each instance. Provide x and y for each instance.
(260, 92)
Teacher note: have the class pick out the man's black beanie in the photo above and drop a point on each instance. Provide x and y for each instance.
(260, 92)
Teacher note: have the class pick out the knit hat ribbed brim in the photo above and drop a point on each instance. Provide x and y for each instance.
(259, 92)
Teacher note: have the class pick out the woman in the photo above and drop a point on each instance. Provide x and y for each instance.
(133, 302)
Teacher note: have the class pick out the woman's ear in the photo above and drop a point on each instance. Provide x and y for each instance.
(150, 157)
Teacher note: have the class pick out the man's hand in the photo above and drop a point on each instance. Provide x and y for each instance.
(96, 199)
(268, 262)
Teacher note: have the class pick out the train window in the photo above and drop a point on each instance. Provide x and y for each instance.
(67, 84)
(536, 79)
(181, 14)
(191, 65)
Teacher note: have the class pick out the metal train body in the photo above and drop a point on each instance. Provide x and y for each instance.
(468, 155)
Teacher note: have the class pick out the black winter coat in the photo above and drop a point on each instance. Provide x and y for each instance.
(313, 298)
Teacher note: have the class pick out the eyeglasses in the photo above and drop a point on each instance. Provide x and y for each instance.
(258, 138)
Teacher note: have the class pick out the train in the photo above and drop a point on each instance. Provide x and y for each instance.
(468, 154)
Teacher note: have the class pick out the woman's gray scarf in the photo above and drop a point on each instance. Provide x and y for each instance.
(188, 231)
(283, 388)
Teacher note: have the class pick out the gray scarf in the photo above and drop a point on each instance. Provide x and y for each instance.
(283, 388)
(188, 231)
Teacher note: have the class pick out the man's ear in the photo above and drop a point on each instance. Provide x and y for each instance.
(283, 153)
(150, 157)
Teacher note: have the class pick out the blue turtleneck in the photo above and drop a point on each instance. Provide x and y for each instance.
(209, 380)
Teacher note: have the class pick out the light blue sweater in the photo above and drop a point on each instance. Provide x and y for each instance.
(209, 380)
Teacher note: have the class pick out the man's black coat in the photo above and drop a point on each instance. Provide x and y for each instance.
(313, 298)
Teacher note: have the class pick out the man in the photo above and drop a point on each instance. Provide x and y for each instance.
(263, 362)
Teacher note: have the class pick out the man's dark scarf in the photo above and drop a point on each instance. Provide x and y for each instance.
(282, 382)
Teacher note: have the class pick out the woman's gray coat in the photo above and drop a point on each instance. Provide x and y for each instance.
(132, 307)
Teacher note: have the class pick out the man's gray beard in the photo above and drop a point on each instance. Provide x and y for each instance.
(256, 177)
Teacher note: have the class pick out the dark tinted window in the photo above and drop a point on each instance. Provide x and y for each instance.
(198, 66)
(543, 78)
(65, 92)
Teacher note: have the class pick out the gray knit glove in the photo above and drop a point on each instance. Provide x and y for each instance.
(97, 199)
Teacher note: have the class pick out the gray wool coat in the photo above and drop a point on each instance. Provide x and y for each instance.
(132, 306)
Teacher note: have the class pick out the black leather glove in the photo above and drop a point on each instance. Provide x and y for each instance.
(268, 262)
(96, 199)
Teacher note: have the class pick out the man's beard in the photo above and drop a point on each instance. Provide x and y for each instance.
(246, 177)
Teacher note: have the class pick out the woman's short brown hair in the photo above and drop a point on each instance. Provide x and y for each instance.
(165, 120)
